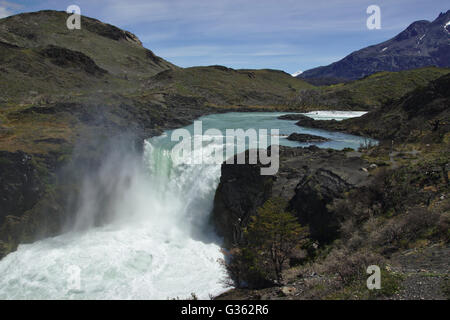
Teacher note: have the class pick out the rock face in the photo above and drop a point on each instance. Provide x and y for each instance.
(241, 191)
(68, 58)
(301, 137)
(422, 44)
(308, 178)
(305, 121)
(20, 186)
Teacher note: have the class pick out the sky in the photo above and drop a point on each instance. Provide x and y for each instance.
(288, 35)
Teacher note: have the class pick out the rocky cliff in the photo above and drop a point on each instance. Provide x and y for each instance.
(308, 178)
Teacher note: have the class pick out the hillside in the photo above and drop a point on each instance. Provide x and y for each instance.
(422, 44)
(117, 51)
(369, 92)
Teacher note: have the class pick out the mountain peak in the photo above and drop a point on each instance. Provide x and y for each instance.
(413, 30)
(444, 15)
(117, 51)
(30, 19)
(421, 44)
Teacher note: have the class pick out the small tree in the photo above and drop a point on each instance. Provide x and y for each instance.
(273, 234)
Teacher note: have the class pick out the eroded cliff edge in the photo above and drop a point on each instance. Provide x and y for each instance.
(308, 178)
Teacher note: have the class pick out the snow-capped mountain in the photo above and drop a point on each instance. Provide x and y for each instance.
(422, 44)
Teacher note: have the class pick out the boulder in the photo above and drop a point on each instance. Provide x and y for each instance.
(302, 120)
(306, 138)
(20, 184)
(288, 291)
(295, 116)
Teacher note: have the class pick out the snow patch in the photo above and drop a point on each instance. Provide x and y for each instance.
(384, 49)
(332, 114)
(299, 72)
(445, 27)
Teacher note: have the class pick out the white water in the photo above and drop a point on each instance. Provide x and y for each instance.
(151, 250)
(337, 115)
(157, 244)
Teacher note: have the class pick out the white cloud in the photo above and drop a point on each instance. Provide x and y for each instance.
(7, 8)
(243, 50)
(233, 16)
(4, 12)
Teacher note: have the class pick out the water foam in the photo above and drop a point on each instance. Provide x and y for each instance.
(156, 246)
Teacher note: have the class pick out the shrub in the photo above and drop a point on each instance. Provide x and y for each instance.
(416, 223)
(269, 240)
(350, 266)
(244, 269)
(273, 234)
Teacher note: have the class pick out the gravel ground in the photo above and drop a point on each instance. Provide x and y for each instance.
(426, 271)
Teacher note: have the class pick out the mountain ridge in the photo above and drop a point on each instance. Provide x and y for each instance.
(421, 44)
(35, 30)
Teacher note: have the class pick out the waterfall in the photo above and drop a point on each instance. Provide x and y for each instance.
(154, 241)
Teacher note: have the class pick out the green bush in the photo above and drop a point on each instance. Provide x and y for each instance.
(269, 239)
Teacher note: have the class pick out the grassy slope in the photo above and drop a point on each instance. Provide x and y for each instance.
(46, 106)
(370, 92)
(115, 50)
(224, 86)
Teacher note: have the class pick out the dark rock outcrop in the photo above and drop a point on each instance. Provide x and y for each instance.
(64, 57)
(308, 178)
(305, 121)
(301, 137)
(20, 185)
(293, 116)
(301, 118)
(30, 201)
(109, 31)
(242, 189)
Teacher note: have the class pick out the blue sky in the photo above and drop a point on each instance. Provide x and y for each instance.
(289, 35)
